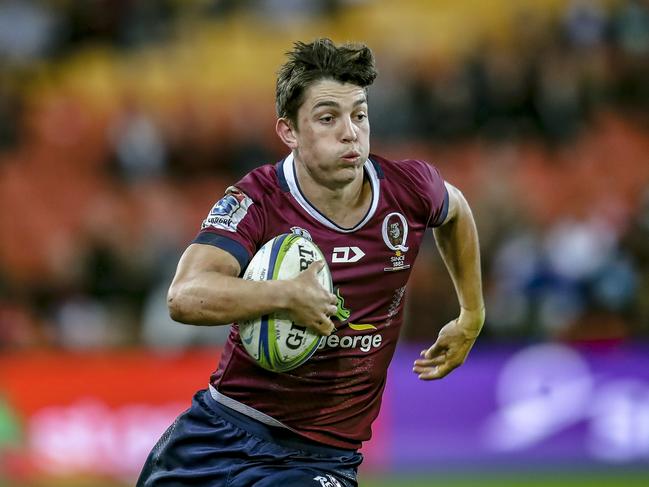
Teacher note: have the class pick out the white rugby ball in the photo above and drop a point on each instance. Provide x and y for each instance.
(275, 341)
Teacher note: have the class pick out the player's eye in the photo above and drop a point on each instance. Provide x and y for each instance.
(327, 118)
(361, 116)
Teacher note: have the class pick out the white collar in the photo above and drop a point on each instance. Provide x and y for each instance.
(288, 169)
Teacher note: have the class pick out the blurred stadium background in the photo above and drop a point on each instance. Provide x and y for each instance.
(121, 122)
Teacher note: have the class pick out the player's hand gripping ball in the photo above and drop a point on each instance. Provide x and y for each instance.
(275, 341)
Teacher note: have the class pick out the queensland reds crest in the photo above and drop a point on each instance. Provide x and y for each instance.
(395, 236)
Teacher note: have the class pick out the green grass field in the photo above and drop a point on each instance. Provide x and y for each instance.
(599, 478)
(526, 479)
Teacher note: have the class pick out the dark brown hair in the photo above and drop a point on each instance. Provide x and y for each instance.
(320, 59)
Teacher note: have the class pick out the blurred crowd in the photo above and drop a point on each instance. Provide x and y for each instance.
(117, 134)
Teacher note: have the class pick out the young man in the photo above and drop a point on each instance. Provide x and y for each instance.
(368, 215)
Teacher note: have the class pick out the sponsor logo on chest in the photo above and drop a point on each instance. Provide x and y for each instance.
(346, 255)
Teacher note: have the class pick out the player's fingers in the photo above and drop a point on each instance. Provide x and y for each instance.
(316, 266)
(332, 310)
(420, 366)
(325, 326)
(440, 371)
(433, 351)
(418, 369)
(435, 372)
(425, 362)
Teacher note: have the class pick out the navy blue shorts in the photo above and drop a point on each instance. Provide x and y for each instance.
(213, 445)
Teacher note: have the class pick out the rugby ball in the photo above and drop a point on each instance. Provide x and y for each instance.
(274, 341)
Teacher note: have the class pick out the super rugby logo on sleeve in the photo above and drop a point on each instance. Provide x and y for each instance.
(228, 211)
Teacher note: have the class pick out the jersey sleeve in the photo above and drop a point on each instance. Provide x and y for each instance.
(430, 187)
(233, 224)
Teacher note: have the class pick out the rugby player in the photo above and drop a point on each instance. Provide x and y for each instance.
(368, 214)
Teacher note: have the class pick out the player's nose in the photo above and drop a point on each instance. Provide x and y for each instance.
(349, 130)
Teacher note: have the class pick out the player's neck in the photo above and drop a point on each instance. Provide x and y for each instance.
(345, 205)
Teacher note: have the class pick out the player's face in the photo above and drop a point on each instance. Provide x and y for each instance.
(333, 133)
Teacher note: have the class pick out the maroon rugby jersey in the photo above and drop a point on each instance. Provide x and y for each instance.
(335, 396)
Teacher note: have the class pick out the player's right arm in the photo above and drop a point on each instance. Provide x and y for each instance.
(207, 291)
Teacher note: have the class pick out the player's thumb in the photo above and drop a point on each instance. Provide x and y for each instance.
(317, 266)
(431, 352)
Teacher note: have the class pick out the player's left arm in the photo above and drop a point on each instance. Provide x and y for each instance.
(457, 241)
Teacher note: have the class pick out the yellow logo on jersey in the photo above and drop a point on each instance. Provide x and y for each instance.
(361, 326)
(343, 314)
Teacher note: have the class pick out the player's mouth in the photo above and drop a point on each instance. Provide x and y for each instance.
(351, 156)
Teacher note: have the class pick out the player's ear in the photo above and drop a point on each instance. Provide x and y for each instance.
(286, 132)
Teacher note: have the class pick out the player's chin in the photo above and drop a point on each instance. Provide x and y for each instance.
(349, 170)
(343, 178)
